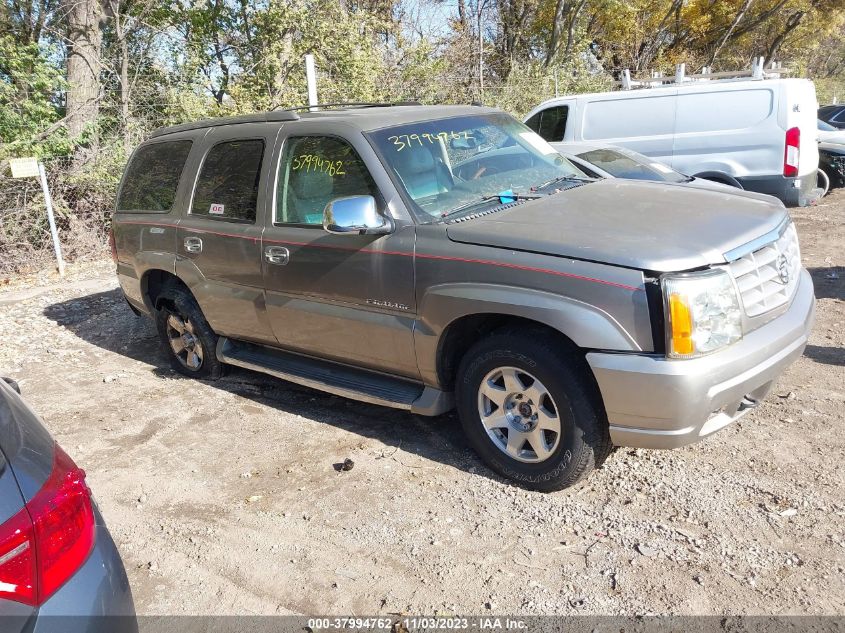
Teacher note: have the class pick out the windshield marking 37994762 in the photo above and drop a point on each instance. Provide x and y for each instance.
(454, 165)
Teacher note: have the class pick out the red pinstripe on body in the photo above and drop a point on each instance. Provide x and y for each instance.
(485, 262)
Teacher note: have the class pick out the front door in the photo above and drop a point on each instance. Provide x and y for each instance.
(219, 238)
(348, 298)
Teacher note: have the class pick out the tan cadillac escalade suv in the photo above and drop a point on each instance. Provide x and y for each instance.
(426, 258)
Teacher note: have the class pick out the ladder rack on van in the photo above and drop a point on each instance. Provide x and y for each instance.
(756, 72)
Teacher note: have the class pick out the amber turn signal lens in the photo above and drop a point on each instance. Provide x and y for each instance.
(681, 323)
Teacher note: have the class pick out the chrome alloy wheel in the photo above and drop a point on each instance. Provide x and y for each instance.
(519, 414)
(184, 342)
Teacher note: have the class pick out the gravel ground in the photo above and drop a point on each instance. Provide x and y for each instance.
(224, 498)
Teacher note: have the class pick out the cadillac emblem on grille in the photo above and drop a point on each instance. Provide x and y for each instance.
(783, 268)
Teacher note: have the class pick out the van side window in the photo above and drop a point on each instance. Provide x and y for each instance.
(152, 177)
(227, 186)
(314, 171)
(550, 123)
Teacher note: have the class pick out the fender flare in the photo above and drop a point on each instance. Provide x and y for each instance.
(588, 326)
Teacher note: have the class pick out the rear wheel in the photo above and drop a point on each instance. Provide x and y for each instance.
(531, 412)
(186, 337)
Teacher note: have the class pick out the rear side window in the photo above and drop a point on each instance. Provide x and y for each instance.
(227, 187)
(152, 177)
(550, 123)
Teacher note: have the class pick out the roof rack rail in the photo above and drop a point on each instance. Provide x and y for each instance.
(259, 117)
(757, 72)
(351, 104)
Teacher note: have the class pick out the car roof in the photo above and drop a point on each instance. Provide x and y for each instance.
(365, 118)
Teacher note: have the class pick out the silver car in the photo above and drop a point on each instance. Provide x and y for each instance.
(612, 161)
(59, 568)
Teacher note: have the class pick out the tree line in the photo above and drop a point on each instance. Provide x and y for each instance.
(83, 81)
(75, 74)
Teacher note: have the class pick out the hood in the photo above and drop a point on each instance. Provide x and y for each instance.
(638, 224)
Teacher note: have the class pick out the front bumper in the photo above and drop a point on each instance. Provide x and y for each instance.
(656, 402)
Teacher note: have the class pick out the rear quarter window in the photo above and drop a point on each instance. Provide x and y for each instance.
(152, 177)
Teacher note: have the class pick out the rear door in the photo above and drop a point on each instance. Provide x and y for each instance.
(340, 297)
(799, 108)
(219, 238)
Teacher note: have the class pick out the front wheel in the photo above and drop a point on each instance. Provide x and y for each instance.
(530, 411)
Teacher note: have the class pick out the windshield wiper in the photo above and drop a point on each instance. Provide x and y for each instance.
(554, 181)
(511, 197)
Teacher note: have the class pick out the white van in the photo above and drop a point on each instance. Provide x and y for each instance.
(759, 134)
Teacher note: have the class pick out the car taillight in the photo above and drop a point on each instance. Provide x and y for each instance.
(112, 245)
(50, 538)
(791, 153)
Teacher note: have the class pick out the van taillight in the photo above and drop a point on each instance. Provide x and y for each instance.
(112, 245)
(791, 153)
(50, 538)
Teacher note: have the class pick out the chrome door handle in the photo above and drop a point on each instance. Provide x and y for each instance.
(277, 255)
(193, 245)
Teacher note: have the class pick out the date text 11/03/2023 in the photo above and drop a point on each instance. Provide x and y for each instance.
(409, 624)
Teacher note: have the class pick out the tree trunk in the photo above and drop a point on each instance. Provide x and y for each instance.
(462, 14)
(84, 38)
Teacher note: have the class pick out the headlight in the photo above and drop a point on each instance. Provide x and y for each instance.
(702, 313)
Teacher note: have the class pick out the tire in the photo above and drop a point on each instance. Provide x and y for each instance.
(544, 377)
(186, 338)
(823, 182)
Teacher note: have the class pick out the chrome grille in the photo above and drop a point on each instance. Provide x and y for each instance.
(760, 275)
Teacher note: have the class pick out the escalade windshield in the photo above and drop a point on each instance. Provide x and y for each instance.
(459, 163)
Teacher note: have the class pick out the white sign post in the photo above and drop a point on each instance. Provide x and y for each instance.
(311, 80)
(28, 168)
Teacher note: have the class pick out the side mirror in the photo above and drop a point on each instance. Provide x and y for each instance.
(12, 383)
(355, 214)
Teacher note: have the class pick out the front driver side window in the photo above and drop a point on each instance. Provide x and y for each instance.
(314, 171)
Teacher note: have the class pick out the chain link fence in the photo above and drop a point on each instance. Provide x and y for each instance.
(82, 205)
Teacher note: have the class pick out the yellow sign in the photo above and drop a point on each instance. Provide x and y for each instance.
(24, 167)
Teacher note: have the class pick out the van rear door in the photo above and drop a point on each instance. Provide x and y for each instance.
(799, 108)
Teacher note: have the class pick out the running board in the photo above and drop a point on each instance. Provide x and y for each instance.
(335, 378)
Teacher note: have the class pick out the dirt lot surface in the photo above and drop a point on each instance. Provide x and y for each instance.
(223, 498)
